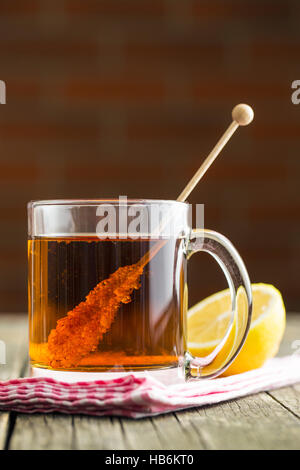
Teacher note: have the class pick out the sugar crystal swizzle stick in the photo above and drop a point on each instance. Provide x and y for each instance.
(80, 331)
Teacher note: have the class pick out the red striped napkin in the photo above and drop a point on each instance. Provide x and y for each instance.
(136, 397)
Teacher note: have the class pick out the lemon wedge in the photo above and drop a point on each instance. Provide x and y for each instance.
(209, 320)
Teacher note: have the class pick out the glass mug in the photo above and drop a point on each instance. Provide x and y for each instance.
(104, 298)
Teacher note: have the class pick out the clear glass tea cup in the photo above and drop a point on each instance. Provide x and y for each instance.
(108, 289)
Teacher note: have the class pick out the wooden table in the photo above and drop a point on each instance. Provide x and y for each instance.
(264, 421)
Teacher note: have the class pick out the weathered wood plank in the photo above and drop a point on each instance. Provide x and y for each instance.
(115, 434)
(42, 432)
(174, 434)
(81, 432)
(98, 433)
(13, 332)
(4, 428)
(256, 422)
(289, 398)
(140, 434)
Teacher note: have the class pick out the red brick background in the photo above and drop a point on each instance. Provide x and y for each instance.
(109, 97)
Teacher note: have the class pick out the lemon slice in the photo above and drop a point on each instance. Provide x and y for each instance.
(209, 320)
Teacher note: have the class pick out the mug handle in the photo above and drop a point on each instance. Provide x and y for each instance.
(217, 361)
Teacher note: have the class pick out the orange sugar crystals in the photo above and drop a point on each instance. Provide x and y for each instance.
(79, 333)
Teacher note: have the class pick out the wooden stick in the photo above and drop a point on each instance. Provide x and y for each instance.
(242, 115)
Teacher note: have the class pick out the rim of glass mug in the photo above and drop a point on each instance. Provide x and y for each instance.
(117, 201)
(160, 217)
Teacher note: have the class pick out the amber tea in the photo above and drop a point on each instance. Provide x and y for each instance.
(146, 332)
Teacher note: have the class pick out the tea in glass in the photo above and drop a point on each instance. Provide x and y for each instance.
(148, 331)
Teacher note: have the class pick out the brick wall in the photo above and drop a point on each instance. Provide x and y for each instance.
(109, 97)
